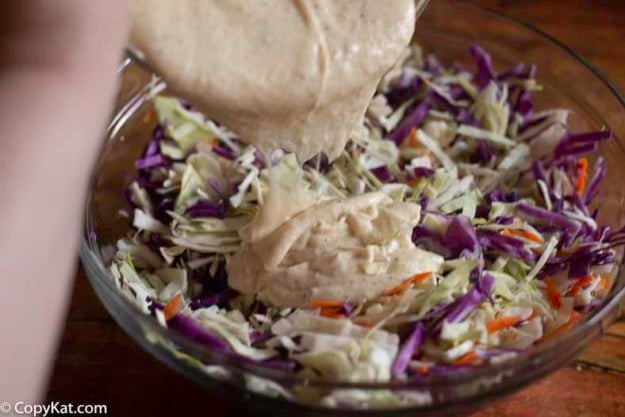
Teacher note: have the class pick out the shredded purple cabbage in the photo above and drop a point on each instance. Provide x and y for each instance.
(257, 337)
(224, 152)
(219, 299)
(461, 239)
(422, 172)
(506, 245)
(414, 338)
(206, 209)
(580, 144)
(483, 154)
(520, 71)
(463, 307)
(485, 72)
(593, 185)
(194, 331)
(524, 104)
(413, 120)
(403, 90)
(383, 174)
(544, 215)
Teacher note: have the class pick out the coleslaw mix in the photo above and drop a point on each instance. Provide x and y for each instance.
(508, 204)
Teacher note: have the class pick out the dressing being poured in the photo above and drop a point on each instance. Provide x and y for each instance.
(290, 74)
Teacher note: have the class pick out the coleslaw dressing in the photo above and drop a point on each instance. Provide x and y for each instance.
(290, 74)
(342, 249)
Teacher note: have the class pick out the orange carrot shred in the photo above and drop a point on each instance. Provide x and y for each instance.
(501, 323)
(579, 284)
(525, 234)
(331, 313)
(467, 359)
(365, 323)
(582, 174)
(573, 319)
(148, 116)
(419, 278)
(413, 182)
(399, 288)
(603, 282)
(553, 294)
(328, 308)
(173, 306)
(507, 232)
(323, 304)
(407, 283)
(423, 370)
(534, 314)
(412, 138)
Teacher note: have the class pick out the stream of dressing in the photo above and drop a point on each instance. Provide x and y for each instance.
(295, 75)
(290, 74)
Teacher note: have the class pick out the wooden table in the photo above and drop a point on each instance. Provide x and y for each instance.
(98, 363)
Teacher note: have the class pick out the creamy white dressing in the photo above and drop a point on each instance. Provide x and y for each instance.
(290, 74)
(344, 249)
(296, 75)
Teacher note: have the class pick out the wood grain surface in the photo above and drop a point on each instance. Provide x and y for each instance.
(98, 363)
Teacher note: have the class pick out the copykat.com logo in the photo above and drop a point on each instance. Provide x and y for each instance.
(54, 408)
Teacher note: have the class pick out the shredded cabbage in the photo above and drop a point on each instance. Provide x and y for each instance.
(507, 201)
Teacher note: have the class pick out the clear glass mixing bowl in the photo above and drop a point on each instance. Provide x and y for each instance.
(447, 29)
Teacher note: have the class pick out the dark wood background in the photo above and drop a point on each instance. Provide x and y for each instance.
(97, 363)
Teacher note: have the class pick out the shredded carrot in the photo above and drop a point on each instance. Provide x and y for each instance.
(365, 323)
(328, 308)
(604, 282)
(331, 313)
(579, 284)
(407, 283)
(534, 314)
(423, 370)
(467, 359)
(399, 288)
(148, 116)
(412, 138)
(502, 323)
(173, 306)
(507, 232)
(323, 304)
(413, 182)
(573, 319)
(413, 142)
(553, 294)
(582, 174)
(525, 234)
(419, 278)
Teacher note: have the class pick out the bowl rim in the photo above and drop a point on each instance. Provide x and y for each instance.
(90, 254)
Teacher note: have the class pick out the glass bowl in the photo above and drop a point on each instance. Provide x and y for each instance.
(447, 29)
